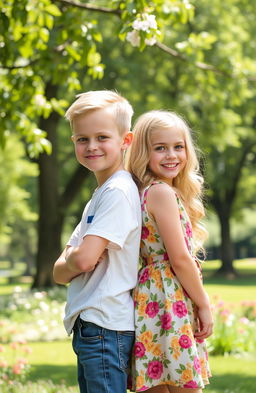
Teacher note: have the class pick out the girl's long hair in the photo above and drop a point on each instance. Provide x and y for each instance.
(188, 182)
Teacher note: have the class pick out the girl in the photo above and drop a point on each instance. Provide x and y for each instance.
(172, 309)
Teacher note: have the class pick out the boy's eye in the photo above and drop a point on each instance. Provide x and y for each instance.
(102, 137)
(81, 140)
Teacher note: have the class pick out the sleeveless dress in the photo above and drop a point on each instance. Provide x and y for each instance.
(166, 351)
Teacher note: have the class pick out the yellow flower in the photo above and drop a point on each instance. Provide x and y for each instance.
(168, 273)
(187, 375)
(186, 329)
(156, 350)
(203, 368)
(142, 297)
(167, 304)
(151, 238)
(140, 381)
(175, 343)
(179, 295)
(146, 338)
(141, 309)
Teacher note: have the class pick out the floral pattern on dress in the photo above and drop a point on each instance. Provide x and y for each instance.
(165, 350)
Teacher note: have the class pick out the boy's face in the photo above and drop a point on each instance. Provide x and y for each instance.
(98, 144)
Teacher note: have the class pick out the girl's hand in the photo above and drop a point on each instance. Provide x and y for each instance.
(205, 323)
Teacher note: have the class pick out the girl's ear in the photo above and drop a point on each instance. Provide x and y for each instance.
(127, 140)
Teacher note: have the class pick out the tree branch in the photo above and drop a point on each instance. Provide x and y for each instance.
(90, 7)
(203, 66)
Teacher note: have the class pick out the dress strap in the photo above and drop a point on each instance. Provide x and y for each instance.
(145, 193)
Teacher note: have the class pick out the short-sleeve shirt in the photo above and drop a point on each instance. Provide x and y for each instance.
(103, 296)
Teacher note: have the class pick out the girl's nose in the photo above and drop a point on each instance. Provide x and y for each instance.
(170, 153)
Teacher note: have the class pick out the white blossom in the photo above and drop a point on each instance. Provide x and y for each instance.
(133, 37)
(150, 41)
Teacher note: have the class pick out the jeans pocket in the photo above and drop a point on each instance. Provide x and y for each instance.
(125, 344)
(89, 331)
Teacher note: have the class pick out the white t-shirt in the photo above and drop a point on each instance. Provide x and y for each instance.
(103, 296)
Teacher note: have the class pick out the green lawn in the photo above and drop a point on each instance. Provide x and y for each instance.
(56, 360)
(232, 291)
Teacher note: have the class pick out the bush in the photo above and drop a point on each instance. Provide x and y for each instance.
(33, 315)
(234, 331)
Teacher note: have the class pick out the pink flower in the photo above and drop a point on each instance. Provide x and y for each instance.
(180, 309)
(144, 232)
(143, 388)
(155, 369)
(187, 244)
(17, 368)
(14, 345)
(139, 350)
(185, 341)
(191, 385)
(199, 340)
(144, 276)
(166, 321)
(188, 230)
(165, 257)
(152, 309)
(197, 365)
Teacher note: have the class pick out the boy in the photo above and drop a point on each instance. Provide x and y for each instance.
(101, 258)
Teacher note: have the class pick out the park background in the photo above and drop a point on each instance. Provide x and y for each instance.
(194, 57)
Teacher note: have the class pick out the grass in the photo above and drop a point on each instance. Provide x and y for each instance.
(56, 361)
(231, 291)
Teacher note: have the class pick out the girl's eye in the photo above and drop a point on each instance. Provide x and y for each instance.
(159, 148)
(179, 147)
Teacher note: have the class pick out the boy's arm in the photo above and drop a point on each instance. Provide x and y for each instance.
(61, 273)
(85, 257)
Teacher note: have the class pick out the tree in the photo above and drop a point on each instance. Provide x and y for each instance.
(53, 49)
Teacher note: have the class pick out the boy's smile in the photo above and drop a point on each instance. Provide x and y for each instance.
(98, 143)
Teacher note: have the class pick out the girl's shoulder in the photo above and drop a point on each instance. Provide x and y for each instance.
(160, 195)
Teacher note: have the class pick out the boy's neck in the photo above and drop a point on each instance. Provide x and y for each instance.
(103, 177)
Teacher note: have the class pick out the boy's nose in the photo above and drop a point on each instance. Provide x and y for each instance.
(92, 145)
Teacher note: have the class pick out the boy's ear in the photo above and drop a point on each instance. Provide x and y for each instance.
(127, 140)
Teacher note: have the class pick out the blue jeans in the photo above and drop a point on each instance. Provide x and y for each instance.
(102, 357)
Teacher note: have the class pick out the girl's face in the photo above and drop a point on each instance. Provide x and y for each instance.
(168, 154)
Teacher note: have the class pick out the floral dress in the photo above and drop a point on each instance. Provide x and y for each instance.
(165, 351)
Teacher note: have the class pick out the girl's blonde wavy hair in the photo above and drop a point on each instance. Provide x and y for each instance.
(189, 182)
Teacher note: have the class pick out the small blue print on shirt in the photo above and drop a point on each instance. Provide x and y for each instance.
(89, 219)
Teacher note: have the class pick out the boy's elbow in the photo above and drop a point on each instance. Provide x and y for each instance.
(82, 263)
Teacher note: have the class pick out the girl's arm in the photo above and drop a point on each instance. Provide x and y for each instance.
(162, 205)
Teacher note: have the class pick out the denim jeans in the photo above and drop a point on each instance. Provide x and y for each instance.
(102, 357)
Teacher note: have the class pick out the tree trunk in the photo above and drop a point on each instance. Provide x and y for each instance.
(50, 222)
(226, 247)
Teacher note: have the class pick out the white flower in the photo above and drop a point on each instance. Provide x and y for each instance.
(150, 41)
(151, 20)
(133, 37)
(146, 23)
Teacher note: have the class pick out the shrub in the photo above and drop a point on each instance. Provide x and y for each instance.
(234, 332)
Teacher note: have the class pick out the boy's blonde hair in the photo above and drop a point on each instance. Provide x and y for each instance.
(99, 99)
(188, 182)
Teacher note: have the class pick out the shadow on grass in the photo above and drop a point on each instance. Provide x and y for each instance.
(232, 383)
(57, 374)
(241, 280)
